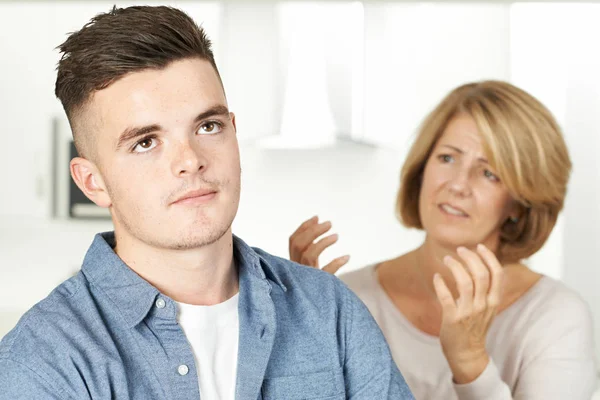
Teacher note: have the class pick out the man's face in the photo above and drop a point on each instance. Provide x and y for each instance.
(167, 159)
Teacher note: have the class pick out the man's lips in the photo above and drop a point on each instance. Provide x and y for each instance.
(195, 195)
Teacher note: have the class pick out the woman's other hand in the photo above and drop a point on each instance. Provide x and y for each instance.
(305, 249)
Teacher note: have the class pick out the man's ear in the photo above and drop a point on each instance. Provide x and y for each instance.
(232, 115)
(88, 179)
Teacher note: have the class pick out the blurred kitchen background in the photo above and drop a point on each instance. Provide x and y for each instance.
(328, 96)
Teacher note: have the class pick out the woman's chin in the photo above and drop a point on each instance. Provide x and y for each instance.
(453, 238)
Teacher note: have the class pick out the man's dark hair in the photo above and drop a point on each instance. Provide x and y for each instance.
(119, 42)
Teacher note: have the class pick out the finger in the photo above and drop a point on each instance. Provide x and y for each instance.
(302, 238)
(294, 246)
(497, 275)
(311, 255)
(480, 274)
(306, 224)
(309, 235)
(336, 264)
(317, 248)
(464, 284)
(444, 296)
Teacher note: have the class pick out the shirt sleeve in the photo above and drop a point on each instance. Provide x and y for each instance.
(369, 370)
(559, 362)
(19, 382)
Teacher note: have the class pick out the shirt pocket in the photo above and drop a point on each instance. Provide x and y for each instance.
(324, 385)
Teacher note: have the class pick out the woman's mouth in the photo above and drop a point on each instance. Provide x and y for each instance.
(451, 210)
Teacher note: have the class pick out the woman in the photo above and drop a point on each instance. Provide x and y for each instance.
(465, 319)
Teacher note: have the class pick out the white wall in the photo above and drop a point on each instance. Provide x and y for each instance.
(316, 70)
(557, 60)
(416, 53)
(26, 87)
(247, 56)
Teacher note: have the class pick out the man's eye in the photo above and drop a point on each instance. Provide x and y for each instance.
(144, 145)
(210, 128)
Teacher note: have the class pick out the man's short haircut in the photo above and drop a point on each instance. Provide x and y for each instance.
(117, 43)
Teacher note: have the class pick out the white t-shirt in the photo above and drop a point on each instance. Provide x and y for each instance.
(213, 333)
(541, 346)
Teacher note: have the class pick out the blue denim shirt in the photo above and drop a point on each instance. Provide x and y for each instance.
(106, 333)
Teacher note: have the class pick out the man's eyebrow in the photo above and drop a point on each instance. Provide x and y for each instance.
(131, 133)
(219, 110)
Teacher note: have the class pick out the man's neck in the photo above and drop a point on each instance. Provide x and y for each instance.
(200, 276)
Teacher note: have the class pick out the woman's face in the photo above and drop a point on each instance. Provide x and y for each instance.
(462, 200)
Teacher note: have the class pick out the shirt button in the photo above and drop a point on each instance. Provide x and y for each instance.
(160, 303)
(183, 370)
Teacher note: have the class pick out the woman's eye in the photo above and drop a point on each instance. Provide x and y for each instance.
(210, 128)
(445, 158)
(144, 145)
(490, 175)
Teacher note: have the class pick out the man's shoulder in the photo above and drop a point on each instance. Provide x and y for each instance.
(298, 276)
(44, 322)
(305, 288)
(316, 304)
(54, 342)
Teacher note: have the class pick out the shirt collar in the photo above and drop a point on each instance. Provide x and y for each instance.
(133, 296)
(247, 257)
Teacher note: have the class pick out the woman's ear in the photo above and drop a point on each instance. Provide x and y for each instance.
(515, 212)
(88, 179)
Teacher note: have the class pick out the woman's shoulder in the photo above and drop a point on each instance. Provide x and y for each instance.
(361, 281)
(551, 305)
(554, 295)
(549, 323)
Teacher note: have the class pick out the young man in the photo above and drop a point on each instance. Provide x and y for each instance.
(172, 305)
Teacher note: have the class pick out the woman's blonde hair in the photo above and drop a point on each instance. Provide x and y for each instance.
(524, 146)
